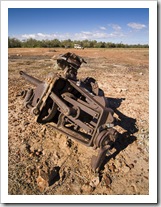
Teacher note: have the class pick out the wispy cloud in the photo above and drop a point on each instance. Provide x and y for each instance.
(103, 28)
(102, 33)
(86, 32)
(137, 26)
(90, 35)
(116, 27)
(40, 36)
(26, 36)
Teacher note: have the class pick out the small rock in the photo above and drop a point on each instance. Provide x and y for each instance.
(125, 169)
(142, 130)
(42, 180)
(39, 150)
(32, 149)
(117, 163)
(43, 130)
(31, 154)
(54, 57)
(131, 166)
(37, 153)
(116, 170)
(122, 89)
(119, 90)
(107, 180)
(94, 182)
(141, 73)
(112, 167)
(86, 188)
(26, 123)
(42, 183)
(44, 152)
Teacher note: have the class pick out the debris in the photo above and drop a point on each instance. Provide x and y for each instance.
(95, 181)
(107, 180)
(42, 180)
(42, 183)
(46, 179)
(86, 188)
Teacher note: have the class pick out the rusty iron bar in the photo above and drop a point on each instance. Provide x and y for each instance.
(31, 79)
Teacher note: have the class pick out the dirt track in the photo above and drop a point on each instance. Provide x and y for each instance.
(44, 161)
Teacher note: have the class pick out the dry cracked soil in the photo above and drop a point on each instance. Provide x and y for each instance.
(42, 161)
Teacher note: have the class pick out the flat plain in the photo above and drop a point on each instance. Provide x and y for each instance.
(42, 161)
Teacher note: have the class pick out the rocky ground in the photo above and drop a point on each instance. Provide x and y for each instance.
(42, 161)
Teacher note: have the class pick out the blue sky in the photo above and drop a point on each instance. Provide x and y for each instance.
(129, 26)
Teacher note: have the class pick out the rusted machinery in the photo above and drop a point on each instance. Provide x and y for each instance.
(77, 108)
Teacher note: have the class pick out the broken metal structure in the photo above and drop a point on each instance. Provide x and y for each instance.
(75, 107)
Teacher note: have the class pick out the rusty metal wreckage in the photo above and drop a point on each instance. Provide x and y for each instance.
(77, 108)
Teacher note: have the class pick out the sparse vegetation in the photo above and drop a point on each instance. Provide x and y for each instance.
(32, 43)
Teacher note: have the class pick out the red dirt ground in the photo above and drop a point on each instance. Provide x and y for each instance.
(38, 153)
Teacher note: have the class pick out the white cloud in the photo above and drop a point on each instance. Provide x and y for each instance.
(103, 28)
(90, 35)
(38, 36)
(99, 34)
(134, 25)
(95, 35)
(117, 34)
(87, 33)
(115, 26)
(27, 36)
(43, 35)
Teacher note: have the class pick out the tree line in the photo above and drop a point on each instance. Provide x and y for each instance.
(33, 43)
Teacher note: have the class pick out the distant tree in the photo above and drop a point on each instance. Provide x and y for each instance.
(85, 43)
(31, 43)
(103, 45)
(13, 42)
(68, 43)
(55, 43)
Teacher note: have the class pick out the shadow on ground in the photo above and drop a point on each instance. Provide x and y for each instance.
(125, 122)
